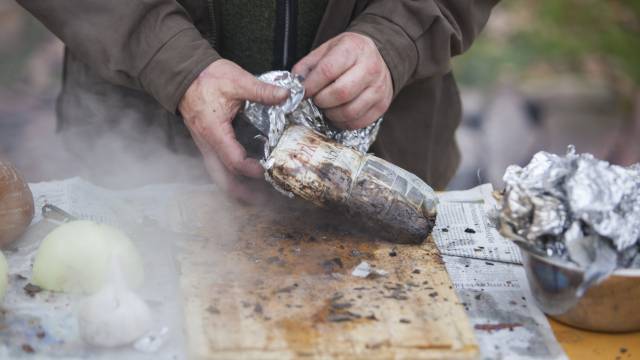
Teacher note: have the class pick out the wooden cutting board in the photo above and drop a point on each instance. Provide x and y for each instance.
(276, 283)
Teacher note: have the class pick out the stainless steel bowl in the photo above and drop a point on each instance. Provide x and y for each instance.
(611, 306)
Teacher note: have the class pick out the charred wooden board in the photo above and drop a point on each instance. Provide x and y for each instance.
(276, 283)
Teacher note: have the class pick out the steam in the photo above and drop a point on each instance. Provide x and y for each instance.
(116, 147)
(112, 136)
(126, 152)
(130, 155)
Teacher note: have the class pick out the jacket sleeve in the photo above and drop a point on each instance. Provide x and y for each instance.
(418, 38)
(150, 45)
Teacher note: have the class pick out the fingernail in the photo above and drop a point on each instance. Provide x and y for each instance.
(282, 92)
(302, 70)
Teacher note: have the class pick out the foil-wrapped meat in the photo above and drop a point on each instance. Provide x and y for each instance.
(305, 155)
(400, 206)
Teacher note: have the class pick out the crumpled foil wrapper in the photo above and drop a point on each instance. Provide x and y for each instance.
(300, 111)
(576, 208)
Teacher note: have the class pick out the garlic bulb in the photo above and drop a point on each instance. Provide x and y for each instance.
(75, 257)
(4, 275)
(114, 316)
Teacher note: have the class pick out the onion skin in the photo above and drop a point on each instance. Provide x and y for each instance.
(16, 204)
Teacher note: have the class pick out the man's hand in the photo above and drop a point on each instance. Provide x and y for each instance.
(209, 106)
(347, 78)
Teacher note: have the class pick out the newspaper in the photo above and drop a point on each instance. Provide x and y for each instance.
(116, 207)
(463, 229)
(484, 268)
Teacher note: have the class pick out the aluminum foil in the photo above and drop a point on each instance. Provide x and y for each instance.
(577, 208)
(273, 120)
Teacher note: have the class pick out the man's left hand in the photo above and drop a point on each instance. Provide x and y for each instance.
(347, 78)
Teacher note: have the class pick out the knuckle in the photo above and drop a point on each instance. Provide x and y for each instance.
(342, 94)
(385, 104)
(353, 39)
(373, 69)
(320, 101)
(327, 70)
(233, 166)
(351, 113)
(336, 117)
(377, 109)
(386, 100)
(259, 91)
(380, 91)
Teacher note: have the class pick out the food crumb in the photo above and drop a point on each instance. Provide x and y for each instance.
(469, 231)
(28, 348)
(32, 290)
(496, 327)
(258, 309)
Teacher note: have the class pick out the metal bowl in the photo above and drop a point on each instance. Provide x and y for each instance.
(611, 306)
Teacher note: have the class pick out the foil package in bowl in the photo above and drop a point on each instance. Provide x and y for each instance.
(577, 222)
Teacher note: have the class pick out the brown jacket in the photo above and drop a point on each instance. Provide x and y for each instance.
(132, 60)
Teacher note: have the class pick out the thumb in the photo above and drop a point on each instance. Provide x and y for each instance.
(261, 92)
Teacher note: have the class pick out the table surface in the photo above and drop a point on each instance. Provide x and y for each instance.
(581, 344)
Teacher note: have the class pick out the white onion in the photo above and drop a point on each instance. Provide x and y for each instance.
(76, 257)
(4, 275)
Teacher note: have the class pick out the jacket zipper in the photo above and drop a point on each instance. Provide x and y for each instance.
(212, 18)
(286, 32)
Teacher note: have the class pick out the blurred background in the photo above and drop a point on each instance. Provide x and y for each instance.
(542, 75)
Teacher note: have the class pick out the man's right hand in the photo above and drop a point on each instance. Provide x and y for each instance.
(208, 108)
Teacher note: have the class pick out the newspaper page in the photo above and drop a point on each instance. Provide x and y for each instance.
(463, 229)
(484, 268)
